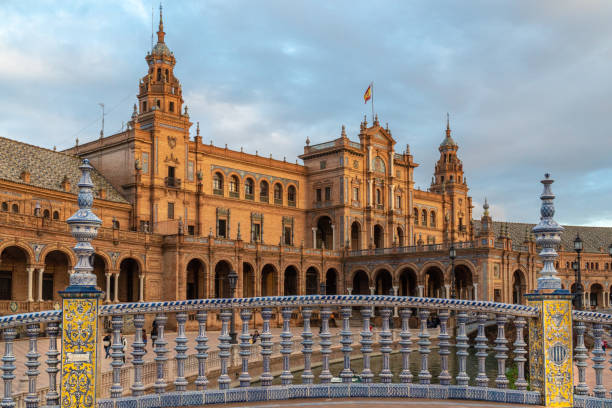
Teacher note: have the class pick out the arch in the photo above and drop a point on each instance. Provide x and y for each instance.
(129, 269)
(464, 285)
(379, 236)
(324, 235)
(249, 188)
(355, 236)
(269, 278)
(222, 288)
(65, 250)
(47, 214)
(432, 219)
(291, 195)
(383, 282)
(218, 183)
(55, 276)
(100, 269)
(291, 281)
(519, 286)
(596, 296)
(424, 218)
(248, 280)
(434, 282)
(4, 206)
(27, 250)
(56, 215)
(196, 279)
(278, 193)
(312, 281)
(331, 282)
(361, 283)
(400, 237)
(15, 208)
(133, 258)
(13, 263)
(234, 185)
(264, 191)
(408, 282)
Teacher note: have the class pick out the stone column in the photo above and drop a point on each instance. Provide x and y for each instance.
(447, 291)
(314, 237)
(333, 245)
(141, 287)
(420, 287)
(349, 291)
(107, 297)
(370, 192)
(391, 197)
(41, 271)
(475, 290)
(30, 270)
(372, 292)
(116, 282)
(395, 291)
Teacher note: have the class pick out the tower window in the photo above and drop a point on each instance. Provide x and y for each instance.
(167, 76)
(144, 106)
(158, 103)
(327, 193)
(170, 211)
(159, 74)
(171, 106)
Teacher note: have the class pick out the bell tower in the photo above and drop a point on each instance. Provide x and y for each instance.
(449, 169)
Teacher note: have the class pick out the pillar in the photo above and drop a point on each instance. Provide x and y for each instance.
(314, 237)
(107, 298)
(41, 271)
(30, 270)
(333, 245)
(141, 287)
(370, 192)
(116, 282)
(391, 197)
(349, 291)
(475, 291)
(420, 287)
(395, 291)
(447, 291)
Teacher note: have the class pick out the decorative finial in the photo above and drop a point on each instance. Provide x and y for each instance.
(407, 149)
(197, 128)
(376, 120)
(548, 237)
(54, 148)
(77, 141)
(160, 31)
(485, 206)
(307, 141)
(448, 130)
(343, 133)
(186, 111)
(135, 111)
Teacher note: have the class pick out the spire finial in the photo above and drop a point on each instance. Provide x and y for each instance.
(343, 134)
(486, 207)
(448, 131)
(160, 31)
(198, 129)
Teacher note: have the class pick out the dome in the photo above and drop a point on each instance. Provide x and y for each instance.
(161, 49)
(448, 141)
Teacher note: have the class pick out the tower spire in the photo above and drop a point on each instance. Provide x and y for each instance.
(160, 31)
(448, 131)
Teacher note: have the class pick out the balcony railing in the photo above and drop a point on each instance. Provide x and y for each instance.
(411, 249)
(172, 182)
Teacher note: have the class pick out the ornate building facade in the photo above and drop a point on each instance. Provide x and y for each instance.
(179, 214)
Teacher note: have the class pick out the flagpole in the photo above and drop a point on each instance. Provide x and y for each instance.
(372, 89)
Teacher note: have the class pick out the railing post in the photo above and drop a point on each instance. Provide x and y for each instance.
(598, 359)
(347, 339)
(307, 376)
(287, 346)
(325, 376)
(160, 354)
(444, 345)
(117, 354)
(224, 349)
(385, 346)
(581, 356)
(519, 352)
(201, 381)
(32, 364)
(424, 343)
(366, 344)
(266, 347)
(481, 346)
(8, 367)
(462, 347)
(500, 346)
(245, 348)
(405, 343)
(138, 351)
(52, 363)
(180, 382)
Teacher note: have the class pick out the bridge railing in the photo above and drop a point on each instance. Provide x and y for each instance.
(179, 376)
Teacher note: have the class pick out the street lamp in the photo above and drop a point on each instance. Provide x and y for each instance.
(232, 278)
(579, 290)
(322, 288)
(452, 254)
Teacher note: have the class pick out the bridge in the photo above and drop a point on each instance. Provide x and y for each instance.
(371, 359)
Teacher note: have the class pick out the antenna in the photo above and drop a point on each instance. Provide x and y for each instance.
(152, 25)
(102, 130)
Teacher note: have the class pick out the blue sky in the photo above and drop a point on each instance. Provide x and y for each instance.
(527, 84)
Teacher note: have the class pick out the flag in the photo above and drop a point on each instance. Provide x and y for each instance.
(368, 94)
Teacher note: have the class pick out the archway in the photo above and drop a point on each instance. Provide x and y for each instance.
(331, 282)
(596, 296)
(13, 274)
(519, 287)
(361, 283)
(291, 281)
(383, 282)
(400, 237)
(312, 281)
(128, 280)
(196, 280)
(324, 233)
(222, 288)
(55, 277)
(463, 282)
(248, 280)
(100, 270)
(355, 236)
(434, 282)
(408, 282)
(268, 280)
(378, 237)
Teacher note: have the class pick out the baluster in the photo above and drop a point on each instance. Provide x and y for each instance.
(201, 382)
(32, 364)
(138, 351)
(307, 376)
(180, 383)
(8, 367)
(266, 347)
(366, 344)
(287, 346)
(500, 347)
(443, 343)
(598, 359)
(224, 348)
(405, 375)
(462, 347)
(245, 348)
(52, 363)
(347, 339)
(519, 352)
(117, 355)
(385, 346)
(160, 354)
(325, 376)
(424, 343)
(481, 351)
(581, 356)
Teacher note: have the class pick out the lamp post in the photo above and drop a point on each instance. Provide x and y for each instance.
(452, 254)
(579, 290)
(232, 277)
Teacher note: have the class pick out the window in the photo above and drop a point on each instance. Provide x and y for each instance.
(278, 194)
(5, 206)
(291, 196)
(46, 214)
(355, 193)
(318, 194)
(355, 164)
(170, 211)
(264, 194)
(378, 196)
(322, 164)
(145, 162)
(55, 215)
(191, 229)
(497, 295)
(424, 218)
(15, 208)
(144, 106)
(190, 170)
(116, 224)
(398, 173)
(167, 78)
(158, 103)
(233, 186)
(288, 234)
(256, 233)
(461, 223)
(171, 172)
(218, 184)
(398, 202)
(6, 284)
(222, 228)
(415, 215)
(432, 219)
(327, 193)
(171, 107)
(248, 189)
(47, 286)
(159, 74)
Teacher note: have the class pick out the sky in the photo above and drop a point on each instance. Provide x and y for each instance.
(527, 84)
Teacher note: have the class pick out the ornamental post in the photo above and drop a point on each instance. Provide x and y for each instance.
(80, 303)
(550, 333)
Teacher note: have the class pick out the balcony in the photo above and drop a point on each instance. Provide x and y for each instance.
(172, 182)
(234, 194)
(217, 191)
